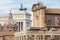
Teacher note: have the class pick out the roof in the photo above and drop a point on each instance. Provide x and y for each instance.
(53, 10)
(20, 12)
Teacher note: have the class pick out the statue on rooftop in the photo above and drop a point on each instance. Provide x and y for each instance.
(22, 9)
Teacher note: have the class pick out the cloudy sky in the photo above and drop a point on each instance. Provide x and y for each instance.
(14, 5)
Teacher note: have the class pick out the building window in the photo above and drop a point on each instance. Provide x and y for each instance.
(49, 22)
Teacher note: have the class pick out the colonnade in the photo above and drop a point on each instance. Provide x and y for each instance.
(38, 37)
(30, 37)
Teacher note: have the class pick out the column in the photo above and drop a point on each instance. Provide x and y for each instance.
(26, 37)
(35, 37)
(43, 37)
(21, 37)
(18, 38)
(14, 38)
(20, 26)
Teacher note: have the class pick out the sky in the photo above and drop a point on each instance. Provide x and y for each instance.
(14, 5)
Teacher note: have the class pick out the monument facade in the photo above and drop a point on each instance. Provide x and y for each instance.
(12, 23)
(46, 24)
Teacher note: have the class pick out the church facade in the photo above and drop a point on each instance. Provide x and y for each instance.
(12, 23)
(20, 18)
(46, 24)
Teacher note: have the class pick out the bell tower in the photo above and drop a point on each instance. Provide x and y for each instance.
(39, 15)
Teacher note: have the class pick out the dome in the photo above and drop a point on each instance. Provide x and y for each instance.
(10, 25)
(10, 20)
